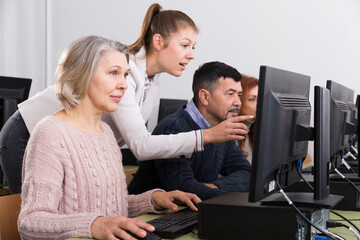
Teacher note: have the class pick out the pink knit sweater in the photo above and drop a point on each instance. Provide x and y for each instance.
(70, 177)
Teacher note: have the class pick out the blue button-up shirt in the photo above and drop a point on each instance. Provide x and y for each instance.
(196, 115)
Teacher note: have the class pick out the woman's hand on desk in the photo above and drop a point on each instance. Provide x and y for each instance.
(171, 199)
(113, 228)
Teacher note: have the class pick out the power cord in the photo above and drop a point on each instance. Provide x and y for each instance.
(346, 163)
(333, 224)
(342, 176)
(324, 232)
(347, 220)
(337, 214)
(354, 149)
(194, 231)
(352, 146)
(298, 168)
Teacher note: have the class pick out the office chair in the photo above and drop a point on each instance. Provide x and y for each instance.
(169, 106)
(12, 92)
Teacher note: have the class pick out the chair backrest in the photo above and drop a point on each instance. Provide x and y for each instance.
(169, 106)
(9, 213)
(12, 92)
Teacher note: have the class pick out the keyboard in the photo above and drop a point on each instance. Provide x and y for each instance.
(175, 224)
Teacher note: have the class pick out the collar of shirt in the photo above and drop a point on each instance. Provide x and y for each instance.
(196, 115)
(148, 82)
(149, 78)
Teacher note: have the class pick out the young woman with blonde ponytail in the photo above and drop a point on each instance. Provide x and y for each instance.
(166, 44)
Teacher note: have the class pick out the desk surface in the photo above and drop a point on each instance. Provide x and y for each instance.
(148, 217)
(353, 216)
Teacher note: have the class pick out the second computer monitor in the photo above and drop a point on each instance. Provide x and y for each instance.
(281, 130)
(13, 91)
(169, 106)
(342, 113)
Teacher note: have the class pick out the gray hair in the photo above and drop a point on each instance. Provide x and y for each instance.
(77, 66)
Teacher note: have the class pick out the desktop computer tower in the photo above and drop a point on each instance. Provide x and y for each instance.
(231, 216)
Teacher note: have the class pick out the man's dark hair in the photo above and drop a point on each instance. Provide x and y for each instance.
(208, 75)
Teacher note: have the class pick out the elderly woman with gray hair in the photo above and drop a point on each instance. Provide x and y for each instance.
(73, 179)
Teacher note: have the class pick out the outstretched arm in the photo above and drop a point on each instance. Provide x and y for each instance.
(131, 126)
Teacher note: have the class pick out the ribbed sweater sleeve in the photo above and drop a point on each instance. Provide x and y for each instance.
(70, 177)
(141, 203)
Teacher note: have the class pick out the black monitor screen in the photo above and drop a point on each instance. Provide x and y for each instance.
(12, 92)
(169, 106)
(357, 103)
(283, 104)
(341, 115)
(353, 120)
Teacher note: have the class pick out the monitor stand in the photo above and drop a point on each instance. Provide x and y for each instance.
(302, 199)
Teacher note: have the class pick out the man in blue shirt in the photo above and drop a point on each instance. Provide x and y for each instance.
(221, 167)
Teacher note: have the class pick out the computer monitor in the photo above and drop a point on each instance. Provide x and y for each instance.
(357, 103)
(357, 115)
(353, 120)
(358, 129)
(342, 119)
(169, 106)
(321, 143)
(282, 132)
(282, 108)
(13, 91)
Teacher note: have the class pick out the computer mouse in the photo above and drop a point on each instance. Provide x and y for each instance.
(149, 236)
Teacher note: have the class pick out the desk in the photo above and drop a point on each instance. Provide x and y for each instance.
(353, 216)
(148, 217)
(345, 233)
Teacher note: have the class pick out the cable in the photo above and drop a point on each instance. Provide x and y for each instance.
(194, 231)
(347, 220)
(337, 214)
(342, 176)
(300, 174)
(351, 219)
(342, 153)
(302, 177)
(351, 155)
(354, 149)
(326, 233)
(352, 146)
(332, 224)
(299, 164)
(347, 164)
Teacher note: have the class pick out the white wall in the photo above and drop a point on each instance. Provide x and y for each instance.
(319, 38)
(22, 40)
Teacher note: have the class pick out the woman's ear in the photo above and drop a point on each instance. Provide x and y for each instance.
(158, 41)
(204, 96)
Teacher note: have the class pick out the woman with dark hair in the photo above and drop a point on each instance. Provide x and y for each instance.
(250, 86)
